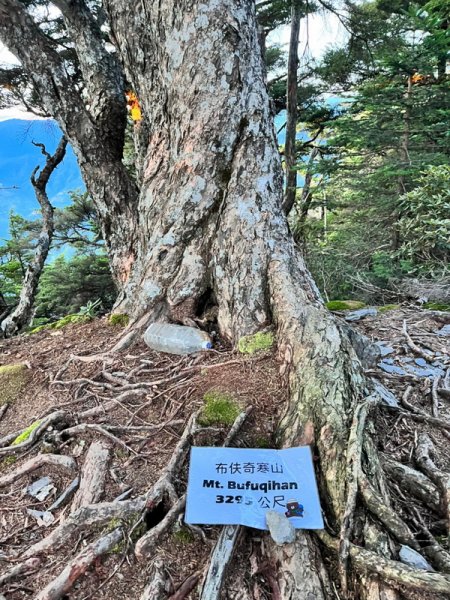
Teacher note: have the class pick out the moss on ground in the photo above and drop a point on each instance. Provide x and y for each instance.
(118, 320)
(183, 536)
(437, 306)
(13, 379)
(220, 409)
(253, 343)
(26, 433)
(67, 320)
(344, 305)
(387, 307)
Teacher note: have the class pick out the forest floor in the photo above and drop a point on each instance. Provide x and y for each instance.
(132, 409)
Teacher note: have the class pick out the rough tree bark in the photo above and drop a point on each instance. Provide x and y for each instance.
(209, 222)
(23, 313)
(290, 155)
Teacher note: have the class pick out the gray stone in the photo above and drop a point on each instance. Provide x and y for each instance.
(41, 488)
(410, 557)
(281, 529)
(357, 315)
(444, 331)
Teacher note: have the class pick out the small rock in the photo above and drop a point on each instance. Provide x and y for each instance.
(44, 518)
(384, 349)
(41, 488)
(389, 368)
(410, 557)
(281, 529)
(444, 331)
(357, 315)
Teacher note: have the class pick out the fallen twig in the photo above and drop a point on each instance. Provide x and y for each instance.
(57, 460)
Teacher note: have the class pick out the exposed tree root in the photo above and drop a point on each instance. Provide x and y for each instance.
(93, 476)
(423, 454)
(34, 435)
(159, 585)
(56, 460)
(79, 565)
(414, 482)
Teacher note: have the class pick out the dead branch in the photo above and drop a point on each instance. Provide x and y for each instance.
(159, 585)
(20, 569)
(186, 587)
(414, 347)
(79, 565)
(57, 460)
(104, 408)
(220, 561)
(93, 476)
(435, 397)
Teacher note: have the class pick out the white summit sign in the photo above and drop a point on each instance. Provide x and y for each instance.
(234, 486)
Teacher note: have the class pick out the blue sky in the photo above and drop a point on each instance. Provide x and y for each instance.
(18, 158)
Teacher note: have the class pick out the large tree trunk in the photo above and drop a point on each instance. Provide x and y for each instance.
(209, 222)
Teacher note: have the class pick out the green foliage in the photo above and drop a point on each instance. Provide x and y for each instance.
(220, 409)
(437, 306)
(118, 320)
(381, 211)
(26, 433)
(13, 379)
(424, 224)
(335, 305)
(249, 344)
(67, 285)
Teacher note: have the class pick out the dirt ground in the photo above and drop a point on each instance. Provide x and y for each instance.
(168, 390)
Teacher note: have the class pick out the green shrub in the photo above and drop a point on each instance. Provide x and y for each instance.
(250, 344)
(220, 409)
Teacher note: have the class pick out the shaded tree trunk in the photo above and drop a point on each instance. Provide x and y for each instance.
(22, 314)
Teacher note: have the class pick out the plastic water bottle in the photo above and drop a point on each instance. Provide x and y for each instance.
(176, 339)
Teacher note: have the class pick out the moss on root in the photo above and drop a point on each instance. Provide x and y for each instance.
(26, 433)
(13, 379)
(249, 344)
(344, 305)
(118, 320)
(220, 409)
